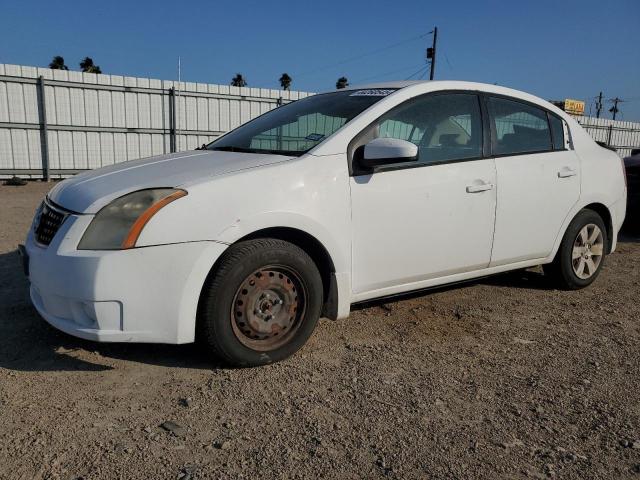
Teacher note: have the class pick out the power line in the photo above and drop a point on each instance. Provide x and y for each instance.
(384, 74)
(424, 67)
(367, 54)
(448, 62)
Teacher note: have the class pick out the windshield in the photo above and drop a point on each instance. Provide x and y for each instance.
(299, 126)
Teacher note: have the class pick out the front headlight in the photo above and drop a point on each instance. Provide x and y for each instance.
(119, 224)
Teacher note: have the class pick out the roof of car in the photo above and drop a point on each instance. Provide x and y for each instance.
(456, 85)
(396, 84)
(446, 84)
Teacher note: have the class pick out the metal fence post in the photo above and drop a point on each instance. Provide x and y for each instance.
(44, 137)
(609, 137)
(172, 120)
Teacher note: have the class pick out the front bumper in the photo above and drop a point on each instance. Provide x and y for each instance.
(147, 294)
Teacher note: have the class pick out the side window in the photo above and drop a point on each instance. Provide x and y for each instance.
(518, 127)
(445, 127)
(557, 132)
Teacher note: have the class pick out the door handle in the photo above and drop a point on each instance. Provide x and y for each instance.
(480, 187)
(566, 172)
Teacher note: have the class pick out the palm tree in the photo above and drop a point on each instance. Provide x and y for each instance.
(238, 81)
(58, 63)
(285, 81)
(342, 82)
(87, 65)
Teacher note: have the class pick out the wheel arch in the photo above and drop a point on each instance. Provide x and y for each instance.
(596, 206)
(605, 214)
(313, 247)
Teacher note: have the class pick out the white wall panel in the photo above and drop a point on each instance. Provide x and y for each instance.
(94, 159)
(155, 111)
(106, 148)
(4, 103)
(34, 143)
(50, 105)
(54, 157)
(30, 103)
(157, 144)
(131, 109)
(120, 147)
(245, 111)
(62, 106)
(6, 151)
(80, 157)
(104, 108)
(234, 114)
(16, 103)
(65, 150)
(144, 110)
(118, 109)
(91, 108)
(190, 114)
(224, 111)
(76, 97)
(203, 114)
(20, 148)
(133, 146)
(214, 114)
(144, 140)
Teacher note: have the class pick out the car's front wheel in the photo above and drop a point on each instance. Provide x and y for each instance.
(261, 304)
(581, 253)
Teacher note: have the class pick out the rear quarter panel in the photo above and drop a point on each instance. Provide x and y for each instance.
(601, 175)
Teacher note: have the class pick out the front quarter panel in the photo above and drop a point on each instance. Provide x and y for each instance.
(309, 193)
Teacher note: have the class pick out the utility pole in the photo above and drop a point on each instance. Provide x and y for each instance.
(431, 53)
(599, 105)
(614, 110)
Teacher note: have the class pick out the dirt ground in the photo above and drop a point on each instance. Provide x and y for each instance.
(503, 378)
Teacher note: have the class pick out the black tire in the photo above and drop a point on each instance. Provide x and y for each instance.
(221, 325)
(561, 270)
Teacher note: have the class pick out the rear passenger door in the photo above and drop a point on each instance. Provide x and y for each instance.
(538, 179)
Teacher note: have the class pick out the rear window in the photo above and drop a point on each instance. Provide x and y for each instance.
(518, 127)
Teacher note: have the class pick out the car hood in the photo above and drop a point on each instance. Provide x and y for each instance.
(88, 192)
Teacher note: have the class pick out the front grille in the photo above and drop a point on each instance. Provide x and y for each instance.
(48, 224)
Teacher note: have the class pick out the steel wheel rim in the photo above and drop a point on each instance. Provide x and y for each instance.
(268, 307)
(587, 252)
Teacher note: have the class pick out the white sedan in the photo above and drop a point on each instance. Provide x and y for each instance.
(338, 198)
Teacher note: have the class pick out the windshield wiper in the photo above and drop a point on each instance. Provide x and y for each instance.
(230, 148)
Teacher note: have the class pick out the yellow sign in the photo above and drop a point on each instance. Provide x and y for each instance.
(574, 107)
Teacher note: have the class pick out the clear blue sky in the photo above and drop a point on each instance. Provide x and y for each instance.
(552, 48)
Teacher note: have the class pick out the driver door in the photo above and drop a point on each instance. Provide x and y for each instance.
(422, 220)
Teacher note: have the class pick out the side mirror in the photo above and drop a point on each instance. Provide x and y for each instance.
(387, 151)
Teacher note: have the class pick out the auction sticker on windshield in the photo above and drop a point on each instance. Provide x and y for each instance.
(374, 92)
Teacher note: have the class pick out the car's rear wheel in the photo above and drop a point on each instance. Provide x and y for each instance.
(261, 304)
(581, 253)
